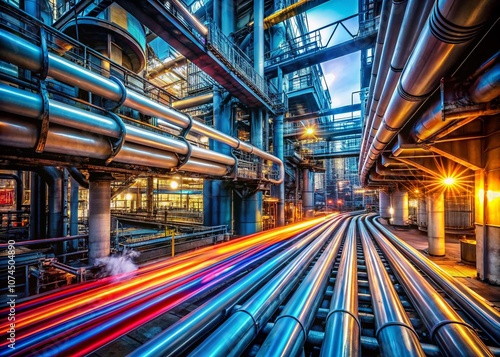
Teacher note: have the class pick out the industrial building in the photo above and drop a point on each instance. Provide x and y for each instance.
(179, 177)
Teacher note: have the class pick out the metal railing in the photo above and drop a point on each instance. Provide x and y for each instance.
(337, 126)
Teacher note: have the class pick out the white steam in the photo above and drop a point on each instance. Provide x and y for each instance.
(117, 263)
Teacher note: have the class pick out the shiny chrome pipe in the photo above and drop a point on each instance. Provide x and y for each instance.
(394, 332)
(446, 328)
(28, 56)
(289, 334)
(174, 340)
(342, 326)
(473, 304)
(19, 133)
(449, 30)
(245, 323)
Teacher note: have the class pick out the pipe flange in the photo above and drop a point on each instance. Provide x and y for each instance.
(186, 130)
(298, 321)
(45, 55)
(123, 91)
(440, 324)
(44, 127)
(347, 312)
(395, 323)
(118, 144)
(183, 159)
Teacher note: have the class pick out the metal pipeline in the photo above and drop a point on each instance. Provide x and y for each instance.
(78, 177)
(289, 333)
(446, 328)
(28, 56)
(449, 30)
(193, 101)
(18, 133)
(473, 304)
(166, 66)
(396, 17)
(394, 332)
(484, 89)
(174, 340)
(342, 326)
(415, 18)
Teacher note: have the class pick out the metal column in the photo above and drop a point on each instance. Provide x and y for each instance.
(308, 192)
(99, 215)
(435, 227)
(384, 202)
(73, 209)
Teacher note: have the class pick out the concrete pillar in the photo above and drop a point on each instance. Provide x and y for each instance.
(384, 202)
(99, 215)
(421, 212)
(435, 227)
(487, 204)
(308, 193)
(400, 207)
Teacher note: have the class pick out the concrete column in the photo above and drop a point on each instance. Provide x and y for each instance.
(99, 215)
(488, 207)
(422, 212)
(384, 202)
(308, 193)
(279, 190)
(400, 207)
(435, 227)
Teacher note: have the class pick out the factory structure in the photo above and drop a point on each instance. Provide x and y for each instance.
(176, 179)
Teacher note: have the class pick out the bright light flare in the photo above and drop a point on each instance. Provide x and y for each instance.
(449, 181)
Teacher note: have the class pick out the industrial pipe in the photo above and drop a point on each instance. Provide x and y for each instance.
(446, 328)
(438, 44)
(174, 340)
(28, 56)
(243, 326)
(394, 332)
(417, 12)
(474, 305)
(166, 66)
(485, 88)
(289, 334)
(342, 326)
(193, 101)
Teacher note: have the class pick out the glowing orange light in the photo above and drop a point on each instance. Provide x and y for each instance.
(449, 181)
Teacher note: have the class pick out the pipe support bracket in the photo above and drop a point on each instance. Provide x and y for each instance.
(118, 144)
(433, 330)
(123, 91)
(395, 323)
(44, 127)
(344, 311)
(297, 320)
(183, 159)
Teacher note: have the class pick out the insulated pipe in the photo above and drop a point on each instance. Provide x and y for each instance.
(416, 15)
(474, 305)
(20, 133)
(289, 334)
(174, 340)
(193, 101)
(394, 332)
(447, 329)
(342, 326)
(28, 56)
(451, 27)
(485, 88)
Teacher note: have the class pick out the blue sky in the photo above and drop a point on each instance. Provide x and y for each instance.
(342, 74)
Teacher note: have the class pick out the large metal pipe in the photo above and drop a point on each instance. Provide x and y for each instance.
(484, 89)
(447, 329)
(436, 53)
(415, 18)
(389, 43)
(166, 66)
(28, 56)
(394, 332)
(342, 326)
(20, 133)
(308, 192)
(289, 334)
(193, 101)
(177, 338)
(473, 304)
